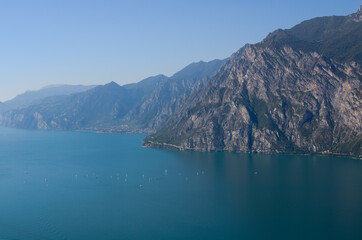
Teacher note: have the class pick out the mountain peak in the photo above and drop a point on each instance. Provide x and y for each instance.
(199, 69)
(112, 84)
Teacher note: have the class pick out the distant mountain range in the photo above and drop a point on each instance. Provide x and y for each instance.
(139, 107)
(297, 91)
(32, 97)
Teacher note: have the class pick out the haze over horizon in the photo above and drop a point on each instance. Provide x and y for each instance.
(96, 42)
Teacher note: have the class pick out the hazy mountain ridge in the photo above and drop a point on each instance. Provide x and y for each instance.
(275, 97)
(33, 97)
(100, 106)
(140, 107)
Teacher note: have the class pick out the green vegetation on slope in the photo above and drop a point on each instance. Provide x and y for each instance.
(336, 37)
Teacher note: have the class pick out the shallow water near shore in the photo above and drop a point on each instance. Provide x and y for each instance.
(79, 185)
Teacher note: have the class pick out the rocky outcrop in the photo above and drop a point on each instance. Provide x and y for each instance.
(357, 17)
(272, 100)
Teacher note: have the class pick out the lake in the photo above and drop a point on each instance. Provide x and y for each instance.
(78, 185)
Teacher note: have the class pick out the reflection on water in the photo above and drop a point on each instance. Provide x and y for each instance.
(69, 185)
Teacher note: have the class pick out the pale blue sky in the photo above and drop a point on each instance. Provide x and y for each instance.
(98, 41)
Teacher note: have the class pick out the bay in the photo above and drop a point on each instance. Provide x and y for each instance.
(80, 185)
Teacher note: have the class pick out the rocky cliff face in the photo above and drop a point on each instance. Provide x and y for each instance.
(297, 91)
(272, 100)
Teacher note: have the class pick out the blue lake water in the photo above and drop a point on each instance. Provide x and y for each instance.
(76, 185)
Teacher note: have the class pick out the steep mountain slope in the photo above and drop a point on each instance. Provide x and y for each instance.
(337, 37)
(278, 96)
(32, 97)
(143, 106)
(169, 95)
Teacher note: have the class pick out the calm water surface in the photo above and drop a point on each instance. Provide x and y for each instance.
(71, 185)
